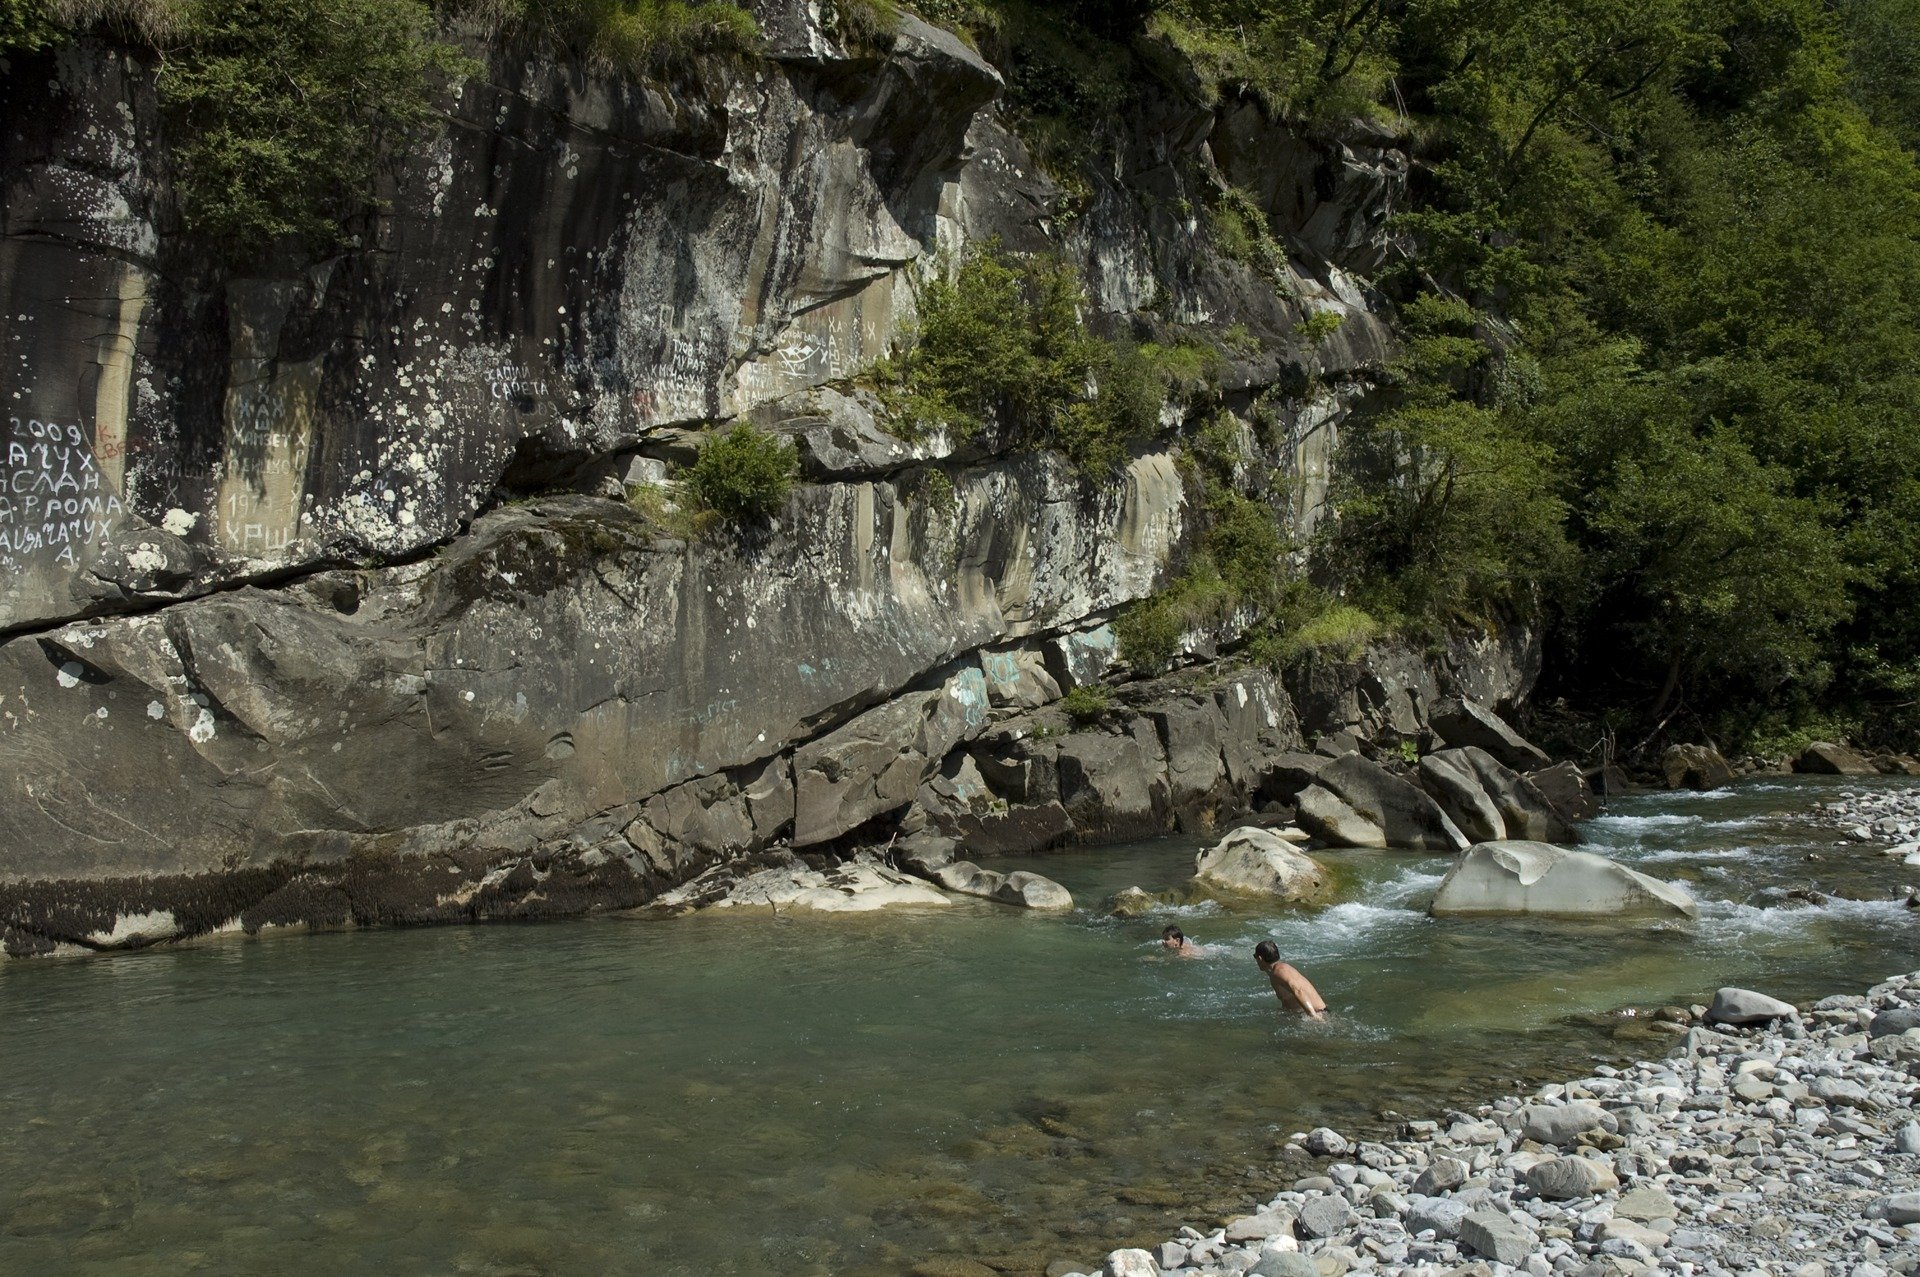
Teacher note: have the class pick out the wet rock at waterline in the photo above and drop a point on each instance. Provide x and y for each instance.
(1029, 890)
(1450, 778)
(1330, 819)
(1564, 787)
(1824, 758)
(1525, 812)
(1698, 767)
(1259, 863)
(797, 887)
(1374, 808)
(1534, 878)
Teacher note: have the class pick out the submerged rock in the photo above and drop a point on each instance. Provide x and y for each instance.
(1258, 862)
(1534, 878)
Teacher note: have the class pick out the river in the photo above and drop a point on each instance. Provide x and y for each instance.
(843, 1095)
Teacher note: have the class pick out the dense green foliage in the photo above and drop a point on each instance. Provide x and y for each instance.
(1661, 388)
(1003, 341)
(743, 474)
(631, 35)
(292, 107)
(26, 25)
(1087, 703)
(288, 111)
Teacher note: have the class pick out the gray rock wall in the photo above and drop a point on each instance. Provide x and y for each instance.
(291, 639)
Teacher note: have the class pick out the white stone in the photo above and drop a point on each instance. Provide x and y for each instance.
(1535, 877)
(1258, 862)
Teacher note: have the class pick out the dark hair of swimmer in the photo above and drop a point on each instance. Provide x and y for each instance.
(1173, 933)
(1267, 952)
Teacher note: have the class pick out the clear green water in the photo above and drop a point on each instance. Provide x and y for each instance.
(741, 1095)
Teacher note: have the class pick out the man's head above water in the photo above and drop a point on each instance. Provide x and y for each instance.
(1266, 953)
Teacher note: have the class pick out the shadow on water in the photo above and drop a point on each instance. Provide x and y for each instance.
(752, 1095)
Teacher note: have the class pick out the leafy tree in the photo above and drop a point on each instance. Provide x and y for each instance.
(1446, 506)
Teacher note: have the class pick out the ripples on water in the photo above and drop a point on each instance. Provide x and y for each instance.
(742, 1095)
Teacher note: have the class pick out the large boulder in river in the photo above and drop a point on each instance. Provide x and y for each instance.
(1824, 758)
(1258, 862)
(1465, 722)
(1407, 818)
(1535, 878)
(1523, 808)
(1453, 784)
(1695, 767)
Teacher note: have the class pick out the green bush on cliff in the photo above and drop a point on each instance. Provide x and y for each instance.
(1086, 704)
(630, 35)
(26, 25)
(743, 475)
(1003, 341)
(292, 108)
(1235, 575)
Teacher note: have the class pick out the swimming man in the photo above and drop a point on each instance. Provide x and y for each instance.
(1295, 991)
(1176, 940)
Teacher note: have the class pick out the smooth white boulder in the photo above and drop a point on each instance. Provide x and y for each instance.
(1032, 891)
(1022, 889)
(853, 888)
(1258, 862)
(1536, 878)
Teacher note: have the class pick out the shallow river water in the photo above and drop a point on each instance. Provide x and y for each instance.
(795, 1096)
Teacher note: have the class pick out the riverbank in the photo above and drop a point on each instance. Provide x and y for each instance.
(1782, 1145)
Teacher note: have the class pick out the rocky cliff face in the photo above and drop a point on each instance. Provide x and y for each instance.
(323, 598)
